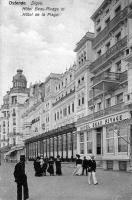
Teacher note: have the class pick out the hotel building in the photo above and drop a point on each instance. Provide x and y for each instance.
(106, 131)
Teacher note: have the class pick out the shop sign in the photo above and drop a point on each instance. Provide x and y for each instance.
(108, 120)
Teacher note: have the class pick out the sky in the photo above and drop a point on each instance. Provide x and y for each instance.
(41, 44)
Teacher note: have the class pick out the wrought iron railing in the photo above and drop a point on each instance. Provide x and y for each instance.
(111, 25)
(109, 53)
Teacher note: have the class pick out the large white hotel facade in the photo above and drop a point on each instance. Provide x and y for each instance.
(88, 108)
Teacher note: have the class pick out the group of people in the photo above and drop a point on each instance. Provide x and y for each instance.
(88, 166)
(43, 165)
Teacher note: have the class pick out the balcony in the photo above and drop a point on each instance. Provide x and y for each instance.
(111, 25)
(107, 111)
(108, 80)
(109, 55)
(64, 97)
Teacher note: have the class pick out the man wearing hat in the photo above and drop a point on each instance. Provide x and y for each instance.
(21, 179)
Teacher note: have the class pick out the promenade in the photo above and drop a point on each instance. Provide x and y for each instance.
(112, 185)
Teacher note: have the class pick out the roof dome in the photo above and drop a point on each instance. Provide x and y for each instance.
(19, 80)
(19, 76)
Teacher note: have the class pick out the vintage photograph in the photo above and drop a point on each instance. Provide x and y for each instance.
(66, 99)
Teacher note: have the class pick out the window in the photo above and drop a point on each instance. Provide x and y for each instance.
(14, 130)
(81, 143)
(81, 148)
(108, 102)
(89, 142)
(14, 121)
(81, 137)
(99, 29)
(3, 123)
(72, 107)
(118, 36)
(14, 99)
(83, 78)
(107, 45)
(99, 106)
(79, 102)
(68, 109)
(118, 66)
(119, 98)
(57, 115)
(99, 53)
(107, 11)
(122, 139)
(109, 139)
(107, 21)
(117, 10)
(70, 77)
(82, 100)
(65, 112)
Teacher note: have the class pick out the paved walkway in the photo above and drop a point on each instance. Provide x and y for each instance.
(112, 185)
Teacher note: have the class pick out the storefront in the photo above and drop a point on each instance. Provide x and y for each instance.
(60, 141)
(109, 139)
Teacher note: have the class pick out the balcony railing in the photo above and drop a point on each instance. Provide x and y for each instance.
(111, 25)
(107, 111)
(108, 76)
(64, 97)
(109, 53)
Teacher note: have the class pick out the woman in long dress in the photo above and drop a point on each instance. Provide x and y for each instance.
(58, 166)
(78, 170)
(50, 169)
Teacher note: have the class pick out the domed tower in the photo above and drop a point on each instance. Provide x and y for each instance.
(18, 96)
(19, 81)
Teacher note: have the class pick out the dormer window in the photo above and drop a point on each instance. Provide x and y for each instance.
(107, 21)
(107, 45)
(117, 10)
(99, 52)
(99, 29)
(118, 36)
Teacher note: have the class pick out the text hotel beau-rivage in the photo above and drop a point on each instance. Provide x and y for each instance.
(104, 121)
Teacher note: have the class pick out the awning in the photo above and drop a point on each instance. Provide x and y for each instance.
(9, 152)
(15, 149)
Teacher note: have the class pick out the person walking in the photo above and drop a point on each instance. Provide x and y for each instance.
(84, 166)
(58, 166)
(21, 179)
(92, 170)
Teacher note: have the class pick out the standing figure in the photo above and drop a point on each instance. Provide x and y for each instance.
(21, 179)
(78, 170)
(92, 170)
(37, 167)
(45, 166)
(50, 169)
(85, 166)
(58, 166)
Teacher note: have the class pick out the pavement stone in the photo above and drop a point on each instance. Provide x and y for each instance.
(112, 185)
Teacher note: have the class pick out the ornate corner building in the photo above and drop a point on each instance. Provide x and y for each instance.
(88, 108)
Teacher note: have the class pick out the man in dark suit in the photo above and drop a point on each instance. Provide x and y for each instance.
(85, 165)
(92, 170)
(21, 179)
